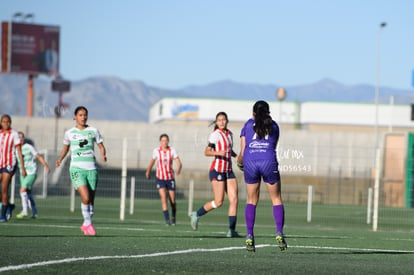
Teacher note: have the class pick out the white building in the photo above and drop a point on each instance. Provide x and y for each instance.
(290, 113)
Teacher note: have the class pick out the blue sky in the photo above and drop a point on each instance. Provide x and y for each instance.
(173, 44)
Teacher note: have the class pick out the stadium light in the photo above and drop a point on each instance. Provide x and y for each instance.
(17, 15)
(23, 16)
(377, 88)
(29, 16)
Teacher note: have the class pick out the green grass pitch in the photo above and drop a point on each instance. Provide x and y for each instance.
(337, 241)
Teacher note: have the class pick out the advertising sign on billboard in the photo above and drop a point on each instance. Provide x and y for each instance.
(30, 48)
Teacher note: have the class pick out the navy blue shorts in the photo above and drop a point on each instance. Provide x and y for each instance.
(169, 184)
(255, 170)
(214, 175)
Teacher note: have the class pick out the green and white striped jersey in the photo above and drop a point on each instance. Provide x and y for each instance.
(82, 146)
(29, 158)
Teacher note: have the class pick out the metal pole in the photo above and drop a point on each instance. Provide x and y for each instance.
(123, 179)
(369, 205)
(391, 112)
(378, 169)
(132, 196)
(310, 199)
(190, 197)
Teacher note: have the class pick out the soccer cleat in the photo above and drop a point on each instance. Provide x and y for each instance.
(91, 230)
(3, 219)
(35, 216)
(194, 220)
(167, 223)
(281, 240)
(173, 221)
(232, 234)
(250, 243)
(88, 230)
(84, 229)
(22, 215)
(9, 211)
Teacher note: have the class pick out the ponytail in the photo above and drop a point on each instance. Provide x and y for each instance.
(263, 121)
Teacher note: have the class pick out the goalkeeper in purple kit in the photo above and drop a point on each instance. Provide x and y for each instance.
(258, 159)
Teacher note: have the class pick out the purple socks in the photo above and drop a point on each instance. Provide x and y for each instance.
(250, 215)
(279, 216)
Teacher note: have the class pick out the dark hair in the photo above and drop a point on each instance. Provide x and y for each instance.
(80, 108)
(164, 135)
(220, 114)
(26, 140)
(263, 123)
(6, 115)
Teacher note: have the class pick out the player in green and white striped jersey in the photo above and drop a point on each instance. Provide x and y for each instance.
(30, 155)
(83, 172)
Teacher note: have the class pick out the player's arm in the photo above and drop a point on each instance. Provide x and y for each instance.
(103, 151)
(65, 150)
(20, 156)
(211, 152)
(43, 162)
(147, 173)
(242, 145)
(179, 164)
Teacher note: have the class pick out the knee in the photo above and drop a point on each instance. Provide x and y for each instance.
(233, 200)
(85, 200)
(217, 204)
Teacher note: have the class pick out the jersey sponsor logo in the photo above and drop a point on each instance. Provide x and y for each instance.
(83, 143)
(259, 145)
(86, 154)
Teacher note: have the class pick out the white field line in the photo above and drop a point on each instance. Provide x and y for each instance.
(69, 260)
(93, 258)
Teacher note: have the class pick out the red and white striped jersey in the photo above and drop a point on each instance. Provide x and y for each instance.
(8, 141)
(223, 141)
(164, 162)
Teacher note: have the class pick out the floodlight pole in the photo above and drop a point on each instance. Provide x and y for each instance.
(30, 96)
(382, 25)
(378, 155)
(280, 95)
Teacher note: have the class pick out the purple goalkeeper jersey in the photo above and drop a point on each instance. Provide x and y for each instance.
(259, 149)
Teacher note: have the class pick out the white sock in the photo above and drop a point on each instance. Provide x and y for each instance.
(86, 215)
(24, 197)
(91, 208)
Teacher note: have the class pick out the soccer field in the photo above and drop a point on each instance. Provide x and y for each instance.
(142, 244)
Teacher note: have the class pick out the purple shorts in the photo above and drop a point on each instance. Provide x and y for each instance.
(255, 170)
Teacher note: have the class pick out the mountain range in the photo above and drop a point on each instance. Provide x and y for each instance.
(112, 98)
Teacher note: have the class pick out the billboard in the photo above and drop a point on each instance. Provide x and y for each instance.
(30, 48)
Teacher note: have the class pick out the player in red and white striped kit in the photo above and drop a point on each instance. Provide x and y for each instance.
(164, 156)
(9, 143)
(223, 180)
